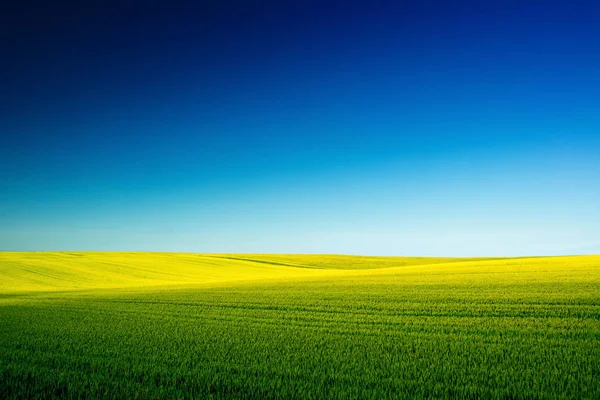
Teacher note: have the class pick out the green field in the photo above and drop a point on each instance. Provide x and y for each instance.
(160, 325)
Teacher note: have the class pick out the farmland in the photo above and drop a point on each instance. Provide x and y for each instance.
(160, 325)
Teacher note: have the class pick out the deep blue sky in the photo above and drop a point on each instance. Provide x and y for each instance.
(361, 127)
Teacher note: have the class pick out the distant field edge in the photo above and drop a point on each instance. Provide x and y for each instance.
(39, 271)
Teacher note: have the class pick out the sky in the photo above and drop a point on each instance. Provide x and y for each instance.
(449, 128)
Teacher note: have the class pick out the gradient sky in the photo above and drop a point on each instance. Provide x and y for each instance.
(358, 127)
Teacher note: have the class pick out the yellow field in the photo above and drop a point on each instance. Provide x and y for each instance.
(51, 271)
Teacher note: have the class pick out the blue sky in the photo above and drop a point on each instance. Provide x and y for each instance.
(392, 128)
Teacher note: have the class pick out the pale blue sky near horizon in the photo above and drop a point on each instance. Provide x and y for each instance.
(373, 128)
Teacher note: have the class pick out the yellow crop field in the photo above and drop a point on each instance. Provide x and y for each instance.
(175, 325)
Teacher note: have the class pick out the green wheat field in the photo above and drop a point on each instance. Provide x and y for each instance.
(174, 325)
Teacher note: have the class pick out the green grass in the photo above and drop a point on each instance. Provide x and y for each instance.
(141, 325)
